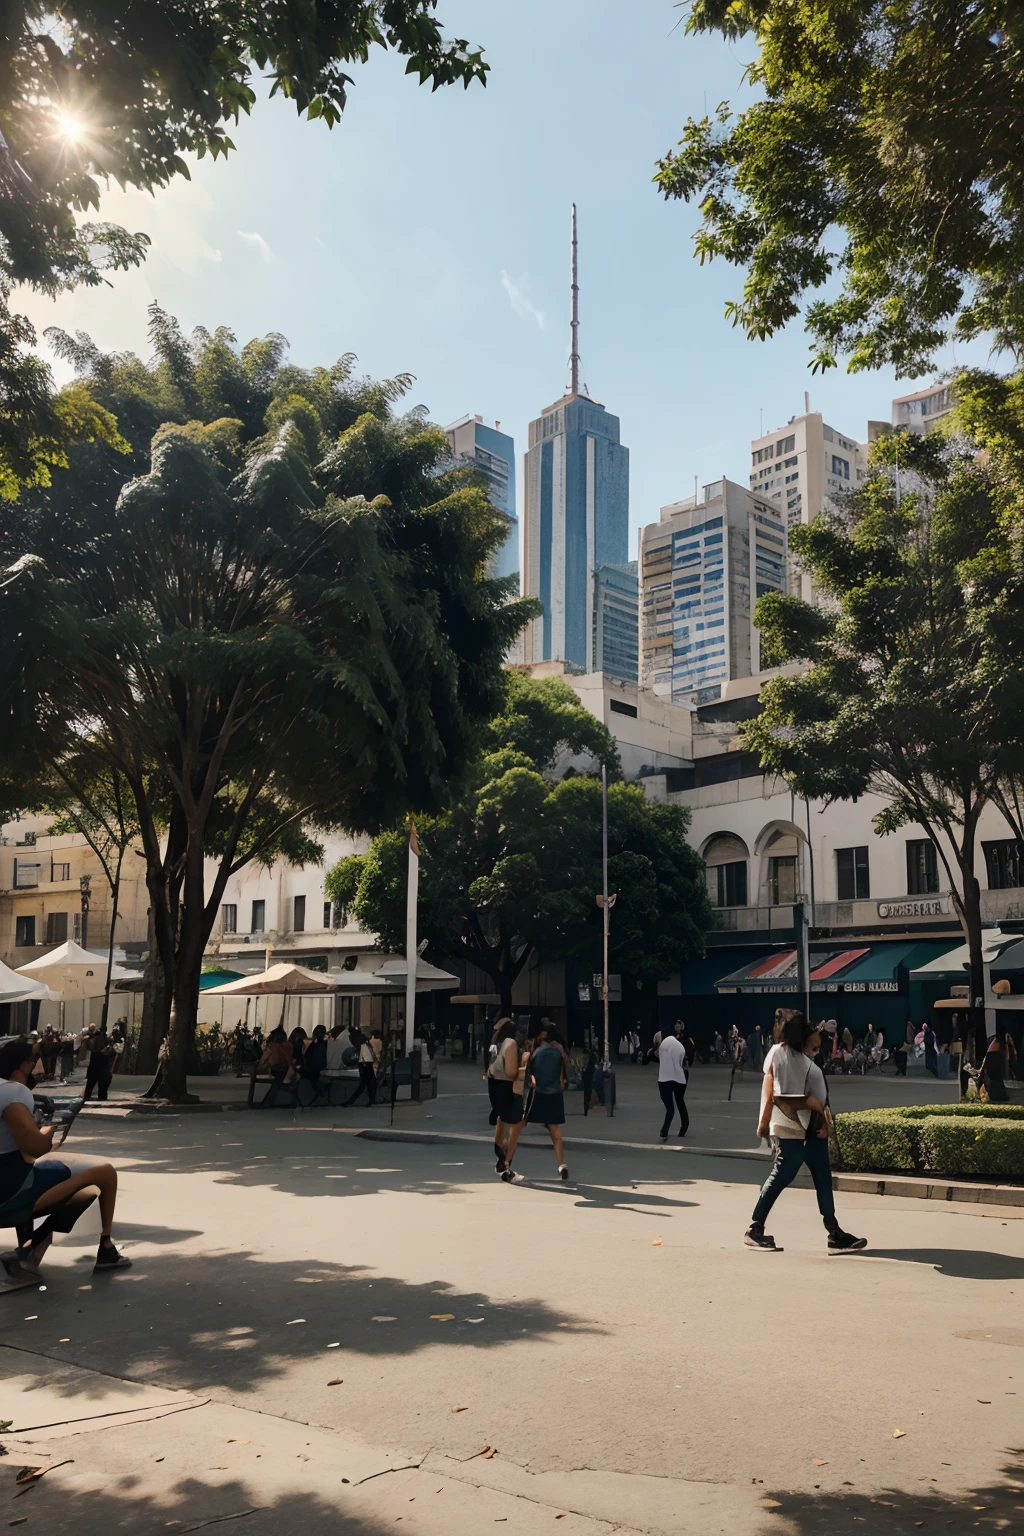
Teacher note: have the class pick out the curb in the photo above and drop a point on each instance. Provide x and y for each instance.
(928, 1189)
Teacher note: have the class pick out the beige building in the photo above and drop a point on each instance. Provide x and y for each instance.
(920, 411)
(800, 467)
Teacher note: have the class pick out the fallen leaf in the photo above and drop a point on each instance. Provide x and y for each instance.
(383, 1319)
(561, 1514)
(21, 1520)
(292, 1321)
(987, 1400)
(63, 1341)
(656, 1243)
(816, 1461)
(158, 1458)
(480, 1320)
(442, 1317)
(336, 1382)
(236, 1440)
(335, 1346)
(899, 1434)
(459, 1408)
(486, 1453)
(33, 1474)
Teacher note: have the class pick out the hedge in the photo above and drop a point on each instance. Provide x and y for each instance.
(955, 1140)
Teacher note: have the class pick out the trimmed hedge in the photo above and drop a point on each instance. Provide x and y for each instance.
(954, 1140)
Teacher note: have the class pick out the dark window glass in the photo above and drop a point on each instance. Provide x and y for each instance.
(618, 708)
(259, 917)
(229, 917)
(728, 884)
(1003, 861)
(56, 927)
(24, 930)
(299, 914)
(922, 868)
(852, 880)
(782, 881)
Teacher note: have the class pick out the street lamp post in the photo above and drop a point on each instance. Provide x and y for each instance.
(606, 902)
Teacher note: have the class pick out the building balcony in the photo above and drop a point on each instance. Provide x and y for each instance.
(897, 914)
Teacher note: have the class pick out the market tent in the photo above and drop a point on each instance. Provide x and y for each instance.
(953, 963)
(217, 978)
(429, 978)
(19, 989)
(282, 980)
(74, 972)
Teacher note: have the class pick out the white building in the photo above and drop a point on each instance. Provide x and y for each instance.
(702, 569)
(800, 467)
(920, 411)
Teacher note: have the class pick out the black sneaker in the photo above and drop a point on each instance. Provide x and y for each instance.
(844, 1242)
(755, 1239)
(107, 1257)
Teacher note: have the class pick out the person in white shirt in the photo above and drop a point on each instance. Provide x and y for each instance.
(795, 1113)
(672, 1081)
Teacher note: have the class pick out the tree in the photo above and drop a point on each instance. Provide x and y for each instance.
(884, 151)
(260, 646)
(905, 694)
(512, 870)
(99, 93)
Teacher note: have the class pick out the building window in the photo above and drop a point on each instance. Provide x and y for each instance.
(782, 881)
(26, 876)
(56, 927)
(259, 917)
(76, 927)
(59, 872)
(922, 868)
(840, 467)
(229, 917)
(298, 914)
(728, 886)
(619, 708)
(24, 931)
(852, 882)
(327, 914)
(1003, 862)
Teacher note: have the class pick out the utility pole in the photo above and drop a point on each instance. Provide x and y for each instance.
(606, 901)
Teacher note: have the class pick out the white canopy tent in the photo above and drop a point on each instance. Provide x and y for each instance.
(74, 973)
(19, 989)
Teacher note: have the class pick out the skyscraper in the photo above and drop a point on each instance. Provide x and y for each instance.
(493, 453)
(616, 633)
(576, 514)
(702, 569)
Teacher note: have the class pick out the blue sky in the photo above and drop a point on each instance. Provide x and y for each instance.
(429, 233)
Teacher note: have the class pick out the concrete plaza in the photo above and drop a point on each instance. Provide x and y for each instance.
(309, 1308)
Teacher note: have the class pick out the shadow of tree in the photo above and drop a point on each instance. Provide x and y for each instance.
(994, 1506)
(229, 1320)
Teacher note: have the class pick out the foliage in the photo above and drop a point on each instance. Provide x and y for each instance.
(954, 1140)
(883, 150)
(512, 870)
(254, 646)
(94, 94)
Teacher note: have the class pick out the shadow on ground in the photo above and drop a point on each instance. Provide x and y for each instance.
(235, 1321)
(958, 1263)
(995, 1506)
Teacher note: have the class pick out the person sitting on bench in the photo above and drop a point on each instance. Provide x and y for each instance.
(32, 1184)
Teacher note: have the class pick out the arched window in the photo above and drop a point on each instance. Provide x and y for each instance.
(725, 858)
(783, 854)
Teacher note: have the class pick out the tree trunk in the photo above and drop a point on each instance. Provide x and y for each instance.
(115, 891)
(156, 1008)
(977, 1033)
(504, 984)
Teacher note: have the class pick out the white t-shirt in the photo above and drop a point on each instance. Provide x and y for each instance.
(671, 1060)
(12, 1093)
(795, 1075)
(336, 1050)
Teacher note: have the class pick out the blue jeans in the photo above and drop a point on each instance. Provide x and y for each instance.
(790, 1157)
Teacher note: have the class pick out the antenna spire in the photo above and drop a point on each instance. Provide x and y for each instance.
(574, 356)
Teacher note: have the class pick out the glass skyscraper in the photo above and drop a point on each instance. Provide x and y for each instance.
(493, 453)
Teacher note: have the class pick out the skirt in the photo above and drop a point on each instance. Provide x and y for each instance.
(548, 1109)
(508, 1104)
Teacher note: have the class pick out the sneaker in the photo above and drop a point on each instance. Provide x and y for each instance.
(563, 1173)
(109, 1258)
(754, 1239)
(511, 1177)
(844, 1242)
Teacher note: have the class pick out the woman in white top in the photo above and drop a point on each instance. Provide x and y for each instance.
(672, 1081)
(795, 1113)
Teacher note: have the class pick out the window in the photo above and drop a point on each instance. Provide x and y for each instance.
(729, 885)
(298, 914)
(840, 467)
(782, 881)
(24, 931)
(59, 872)
(76, 927)
(229, 917)
(26, 876)
(852, 883)
(259, 917)
(56, 927)
(1003, 862)
(618, 708)
(327, 914)
(922, 868)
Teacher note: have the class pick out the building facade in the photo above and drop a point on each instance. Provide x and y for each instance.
(801, 467)
(493, 453)
(921, 411)
(576, 518)
(702, 569)
(616, 632)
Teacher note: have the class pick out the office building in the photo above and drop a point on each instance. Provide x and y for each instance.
(493, 453)
(702, 569)
(576, 513)
(616, 633)
(920, 412)
(801, 467)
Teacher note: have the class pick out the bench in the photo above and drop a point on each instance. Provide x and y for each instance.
(301, 1093)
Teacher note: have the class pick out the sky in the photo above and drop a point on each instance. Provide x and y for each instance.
(429, 233)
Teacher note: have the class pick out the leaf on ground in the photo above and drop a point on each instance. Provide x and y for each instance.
(337, 1381)
(986, 1400)
(486, 1453)
(899, 1434)
(442, 1317)
(33, 1474)
(383, 1319)
(472, 1319)
(293, 1320)
(460, 1408)
(657, 1242)
(816, 1461)
(237, 1440)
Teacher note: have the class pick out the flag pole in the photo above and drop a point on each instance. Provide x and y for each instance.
(412, 892)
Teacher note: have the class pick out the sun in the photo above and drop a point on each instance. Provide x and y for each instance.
(70, 128)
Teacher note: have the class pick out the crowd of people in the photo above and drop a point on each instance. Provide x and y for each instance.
(57, 1054)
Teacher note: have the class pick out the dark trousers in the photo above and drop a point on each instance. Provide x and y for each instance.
(673, 1096)
(367, 1083)
(98, 1075)
(901, 1058)
(593, 1083)
(790, 1157)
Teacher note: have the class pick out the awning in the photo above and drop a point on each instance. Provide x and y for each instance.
(856, 968)
(951, 964)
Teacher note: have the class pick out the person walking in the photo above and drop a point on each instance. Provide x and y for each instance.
(369, 1055)
(101, 1065)
(672, 1082)
(492, 1051)
(504, 1073)
(994, 1071)
(548, 1076)
(794, 1111)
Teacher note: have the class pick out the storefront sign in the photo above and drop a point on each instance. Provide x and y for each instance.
(929, 906)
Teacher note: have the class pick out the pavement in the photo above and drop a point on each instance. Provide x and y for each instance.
(325, 1333)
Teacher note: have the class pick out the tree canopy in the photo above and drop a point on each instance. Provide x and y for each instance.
(259, 642)
(93, 94)
(913, 689)
(882, 159)
(512, 870)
